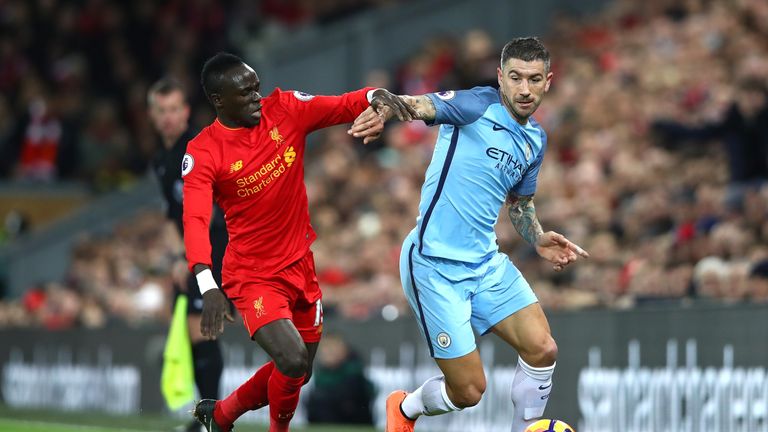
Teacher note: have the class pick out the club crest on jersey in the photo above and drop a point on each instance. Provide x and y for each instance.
(444, 340)
(275, 136)
(446, 95)
(304, 97)
(258, 306)
(187, 163)
(528, 151)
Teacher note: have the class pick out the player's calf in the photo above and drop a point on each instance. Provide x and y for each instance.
(466, 395)
(429, 399)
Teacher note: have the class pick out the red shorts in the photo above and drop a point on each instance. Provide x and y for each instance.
(291, 293)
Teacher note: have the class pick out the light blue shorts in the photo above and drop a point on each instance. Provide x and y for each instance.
(449, 298)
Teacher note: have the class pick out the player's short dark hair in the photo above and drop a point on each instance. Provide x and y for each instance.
(526, 49)
(214, 69)
(166, 86)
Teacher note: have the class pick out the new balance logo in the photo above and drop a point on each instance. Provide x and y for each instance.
(237, 166)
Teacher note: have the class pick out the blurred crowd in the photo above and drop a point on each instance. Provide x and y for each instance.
(119, 276)
(657, 165)
(74, 75)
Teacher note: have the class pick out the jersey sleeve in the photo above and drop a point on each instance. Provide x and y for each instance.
(527, 185)
(198, 172)
(317, 112)
(460, 107)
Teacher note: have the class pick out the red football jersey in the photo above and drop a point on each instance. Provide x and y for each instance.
(256, 175)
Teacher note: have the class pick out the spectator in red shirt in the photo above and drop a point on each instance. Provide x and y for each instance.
(250, 161)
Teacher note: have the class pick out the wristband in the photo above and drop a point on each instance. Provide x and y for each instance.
(205, 281)
(369, 95)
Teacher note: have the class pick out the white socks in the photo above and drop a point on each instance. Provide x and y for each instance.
(429, 399)
(530, 393)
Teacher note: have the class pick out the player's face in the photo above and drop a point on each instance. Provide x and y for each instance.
(523, 85)
(169, 114)
(240, 100)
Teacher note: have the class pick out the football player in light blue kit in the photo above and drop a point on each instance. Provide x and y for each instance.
(488, 153)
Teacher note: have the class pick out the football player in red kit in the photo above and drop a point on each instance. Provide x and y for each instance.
(250, 161)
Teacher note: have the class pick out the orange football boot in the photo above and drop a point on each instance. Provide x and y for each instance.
(396, 420)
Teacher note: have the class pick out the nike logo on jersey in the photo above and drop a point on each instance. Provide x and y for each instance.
(541, 387)
(496, 127)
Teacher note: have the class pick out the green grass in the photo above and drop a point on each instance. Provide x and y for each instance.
(54, 421)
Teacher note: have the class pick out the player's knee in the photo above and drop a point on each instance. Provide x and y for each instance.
(544, 353)
(294, 363)
(468, 395)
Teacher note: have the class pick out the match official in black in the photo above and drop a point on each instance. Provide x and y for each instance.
(169, 112)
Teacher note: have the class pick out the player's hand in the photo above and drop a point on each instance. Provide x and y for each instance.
(369, 125)
(215, 311)
(558, 250)
(383, 98)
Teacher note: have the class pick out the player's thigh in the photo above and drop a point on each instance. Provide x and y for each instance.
(441, 305)
(311, 353)
(259, 300)
(527, 330)
(283, 343)
(308, 319)
(502, 292)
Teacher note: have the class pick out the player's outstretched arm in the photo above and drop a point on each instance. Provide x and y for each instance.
(422, 106)
(552, 246)
(215, 305)
(369, 124)
(383, 101)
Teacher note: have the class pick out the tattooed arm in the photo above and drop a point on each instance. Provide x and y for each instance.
(369, 123)
(550, 245)
(522, 213)
(425, 109)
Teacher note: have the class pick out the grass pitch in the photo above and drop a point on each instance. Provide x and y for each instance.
(55, 421)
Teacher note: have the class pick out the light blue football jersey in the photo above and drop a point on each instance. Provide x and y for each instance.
(481, 154)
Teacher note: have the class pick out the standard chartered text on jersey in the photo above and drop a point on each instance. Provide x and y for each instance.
(261, 178)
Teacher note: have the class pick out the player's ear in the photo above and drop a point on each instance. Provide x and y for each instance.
(498, 75)
(549, 81)
(216, 100)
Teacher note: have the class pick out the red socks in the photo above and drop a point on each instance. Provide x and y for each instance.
(251, 395)
(267, 386)
(283, 398)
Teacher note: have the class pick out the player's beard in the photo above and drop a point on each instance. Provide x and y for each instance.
(511, 107)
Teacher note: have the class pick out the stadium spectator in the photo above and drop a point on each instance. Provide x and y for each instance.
(341, 393)
(758, 277)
